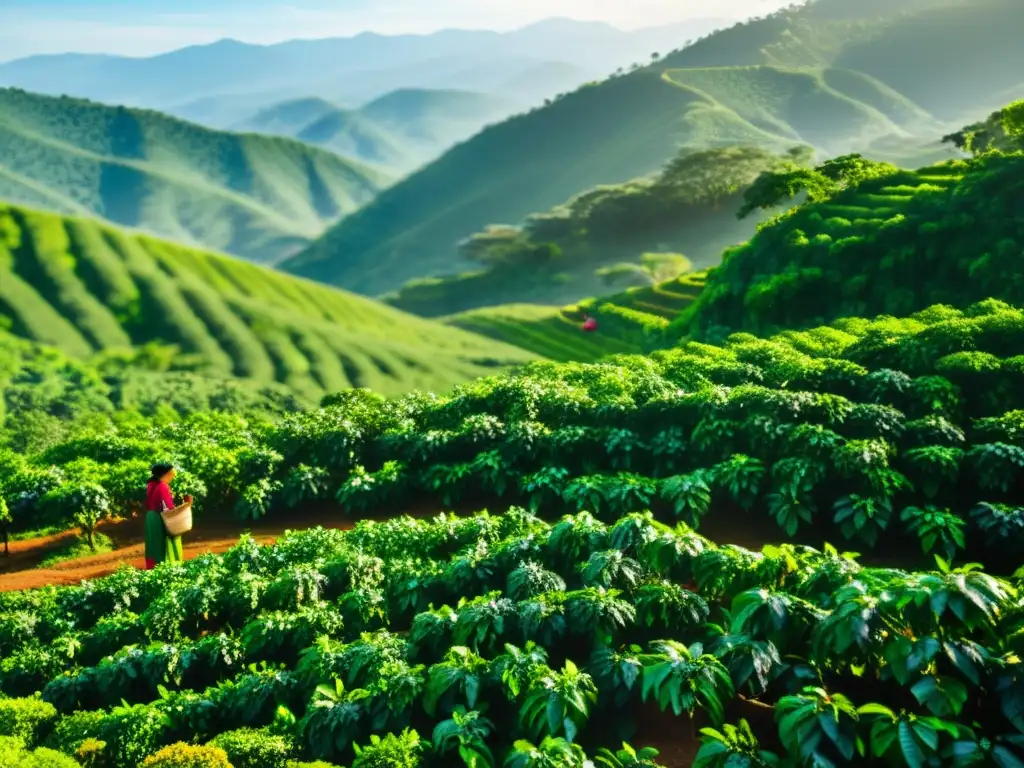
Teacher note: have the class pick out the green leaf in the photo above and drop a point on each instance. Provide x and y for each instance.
(944, 696)
(912, 752)
(876, 709)
(1004, 758)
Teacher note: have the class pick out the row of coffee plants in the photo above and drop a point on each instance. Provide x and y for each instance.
(866, 431)
(47, 396)
(475, 640)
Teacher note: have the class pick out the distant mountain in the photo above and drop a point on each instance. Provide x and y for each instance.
(318, 122)
(398, 131)
(543, 80)
(289, 117)
(223, 112)
(418, 112)
(86, 287)
(346, 71)
(837, 75)
(254, 196)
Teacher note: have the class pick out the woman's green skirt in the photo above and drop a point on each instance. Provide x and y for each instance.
(161, 547)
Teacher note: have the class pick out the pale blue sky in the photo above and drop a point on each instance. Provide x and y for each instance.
(141, 27)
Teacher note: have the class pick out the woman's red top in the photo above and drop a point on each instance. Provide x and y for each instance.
(590, 324)
(157, 494)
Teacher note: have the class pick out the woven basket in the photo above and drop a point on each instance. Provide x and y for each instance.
(178, 520)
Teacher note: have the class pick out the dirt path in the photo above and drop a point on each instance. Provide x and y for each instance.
(95, 566)
(218, 534)
(20, 571)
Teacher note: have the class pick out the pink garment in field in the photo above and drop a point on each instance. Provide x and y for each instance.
(158, 494)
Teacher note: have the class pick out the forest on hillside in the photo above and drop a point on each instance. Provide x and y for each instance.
(645, 231)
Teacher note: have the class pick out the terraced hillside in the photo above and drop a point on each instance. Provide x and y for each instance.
(258, 197)
(628, 322)
(835, 73)
(946, 234)
(84, 287)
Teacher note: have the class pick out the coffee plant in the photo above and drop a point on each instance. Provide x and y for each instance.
(879, 434)
(533, 643)
(596, 606)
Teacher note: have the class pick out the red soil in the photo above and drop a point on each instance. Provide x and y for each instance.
(20, 571)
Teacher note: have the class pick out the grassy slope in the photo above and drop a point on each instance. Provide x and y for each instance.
(253, 196)
(826, 108)
(83, 287)
(627, 126)
(951, 61)
(555, 333)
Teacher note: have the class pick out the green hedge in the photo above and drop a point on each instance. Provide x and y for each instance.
(187, 756)
(26, 719)
(255, 748)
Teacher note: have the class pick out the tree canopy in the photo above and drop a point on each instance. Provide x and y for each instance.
(776, 187)
(1001, 131)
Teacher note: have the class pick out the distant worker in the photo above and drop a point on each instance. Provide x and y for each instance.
(162, 546)
(589, 324)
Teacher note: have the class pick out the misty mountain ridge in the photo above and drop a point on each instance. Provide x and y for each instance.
(348, 71)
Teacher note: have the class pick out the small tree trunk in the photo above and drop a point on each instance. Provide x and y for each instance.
(88, 538)
(7, 547)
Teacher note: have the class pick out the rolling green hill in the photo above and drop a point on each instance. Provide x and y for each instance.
(947, 234)
(628, 323)
(257, 197)
(398, 131)
(429, 114)
(86, 288)
(832, 73)
(427, 122)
